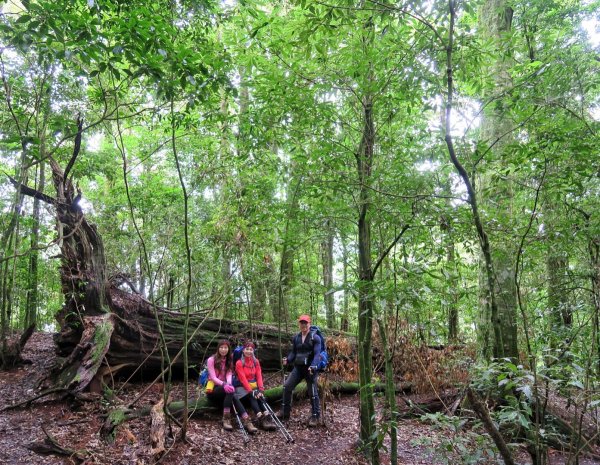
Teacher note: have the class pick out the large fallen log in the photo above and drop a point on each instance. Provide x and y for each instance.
(105, 325)
(135, 340)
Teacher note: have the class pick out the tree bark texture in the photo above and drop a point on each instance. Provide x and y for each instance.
(327, 257)
(483, 414)
(364, 159)
(32, 287)
(498, 199)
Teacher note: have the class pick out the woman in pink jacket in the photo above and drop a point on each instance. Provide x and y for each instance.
(219, 388)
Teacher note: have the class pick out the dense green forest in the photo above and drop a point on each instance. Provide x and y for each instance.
(426, 170)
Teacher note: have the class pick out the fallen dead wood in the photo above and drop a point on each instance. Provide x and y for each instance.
(573, 418)
(446, 401)
(50, 446)
(158, 428)
(28, 401)
(483, 414)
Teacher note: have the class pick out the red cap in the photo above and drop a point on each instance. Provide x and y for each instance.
(304, 318)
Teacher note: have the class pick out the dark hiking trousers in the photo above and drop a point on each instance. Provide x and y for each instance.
(219, 396)
(299, 373)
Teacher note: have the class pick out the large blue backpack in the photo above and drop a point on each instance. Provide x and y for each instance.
(315, 331)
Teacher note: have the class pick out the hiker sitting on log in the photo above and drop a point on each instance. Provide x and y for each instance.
(248, 384)
(219, 388)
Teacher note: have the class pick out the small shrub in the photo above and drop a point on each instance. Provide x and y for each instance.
(457, 443)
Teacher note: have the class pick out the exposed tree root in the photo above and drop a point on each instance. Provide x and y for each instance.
(12, 356)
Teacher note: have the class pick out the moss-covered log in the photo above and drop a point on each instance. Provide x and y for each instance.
(76, 372)
(202, 406)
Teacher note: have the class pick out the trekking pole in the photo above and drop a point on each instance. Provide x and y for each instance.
(314, 393)
(324, 396)
(241, 425)
(280, 426)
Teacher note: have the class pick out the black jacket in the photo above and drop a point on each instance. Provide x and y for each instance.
(307, 353)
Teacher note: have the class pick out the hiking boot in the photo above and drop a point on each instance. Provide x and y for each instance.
(227, 426)
(249, 426)
(267, 423)
(283, 416)
(314, 421)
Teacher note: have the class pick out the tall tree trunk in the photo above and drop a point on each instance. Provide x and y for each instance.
(171, 291)
(140, 271)
(272, 287)
(452, 292)
(31, 313)
(595, 278)
(228, 308)
(327, 261)
(488, 275)
(561, 314)
(188, 261)
(594, 265)
(558, 300)
(390, 387)
(286, 263)
(496, 21)
(7, 249)
(226, 259)
(259, 295)
(364, 160)
(345, 324)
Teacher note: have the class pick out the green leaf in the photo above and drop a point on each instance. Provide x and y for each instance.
(576, 383)
(23, 19)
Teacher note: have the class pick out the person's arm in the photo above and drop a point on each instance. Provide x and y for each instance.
(292, 355)
(228, 386)
(241, 374)
(212, 374)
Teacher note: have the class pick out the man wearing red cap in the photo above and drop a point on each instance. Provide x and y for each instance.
(305, 357)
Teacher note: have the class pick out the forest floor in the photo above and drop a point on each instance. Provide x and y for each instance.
(76, 426)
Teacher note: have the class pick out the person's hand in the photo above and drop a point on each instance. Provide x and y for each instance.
(229, 389)
(284, 361)
(312, 369)
(257, 394)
